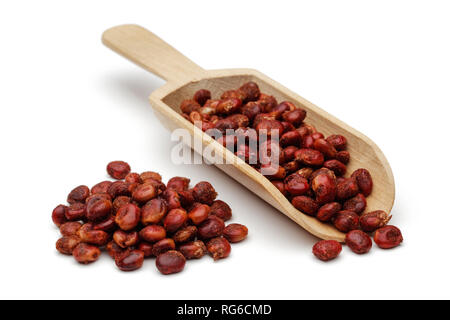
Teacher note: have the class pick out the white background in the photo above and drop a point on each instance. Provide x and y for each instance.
(69, 105)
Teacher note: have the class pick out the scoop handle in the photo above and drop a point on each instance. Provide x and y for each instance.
(151, 53)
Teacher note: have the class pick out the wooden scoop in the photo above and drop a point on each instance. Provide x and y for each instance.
(184, 77)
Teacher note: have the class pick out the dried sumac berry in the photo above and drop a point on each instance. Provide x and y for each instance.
(212, 227)
(118, 169)
(86, 253)
(283, 107)
(311, 129)
(324, 188)
(178, 183)
(338, 141)
(188, 106)
(250, 91)
(76, 211)
(193, 250)
(358, 241)
(152, 233)
(223, 125)
(153, 211)
(327, 211)
(251, 110)
(185, 234)
(133, 177)
(235, 232)
(388, 237)
(70, 228)
(289, 153)
(150, 175)
(343, 156)
(172, 199)
(263, 116)
(228, 106)
(170, 262)
(296, 185)
(295, 117)
(327, 250)
(107, 225)
(308, 142)
(218, 248)
(269, 128)
(291, 138)
(114, 249)
(67, 244)
(105, 196)
(101, 187)
(118, 188)
(186, 198)
(162, 246)
(195, 117)
(364, 181)
(325, 171)
(336, 166)
(130, 260)
(199, 213)
(204, 193)
(232, 94)
(306, 205)
(175, 219)
(240, 119)
(287, 127)
(356, 204)
(326, 148)
(201, 96)
(119, 202)
(132, 186)
(346, 188)
(98, 208)
(290, 167)
(87, 234)
(125, 239)
(144, 192)
(267, 102)
(303, 131)
(159, 185)
(221, 209)
(346, 221)
(146, 248)
(310, 157)
(273, 171)
(79, 194)
(374, 220)
(305, 172)
(59, 215)
(128, 216)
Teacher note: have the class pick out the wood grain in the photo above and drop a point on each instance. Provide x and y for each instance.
(185, 77)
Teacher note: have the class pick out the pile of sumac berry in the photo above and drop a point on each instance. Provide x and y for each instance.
(138, 216)
(308, 168)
